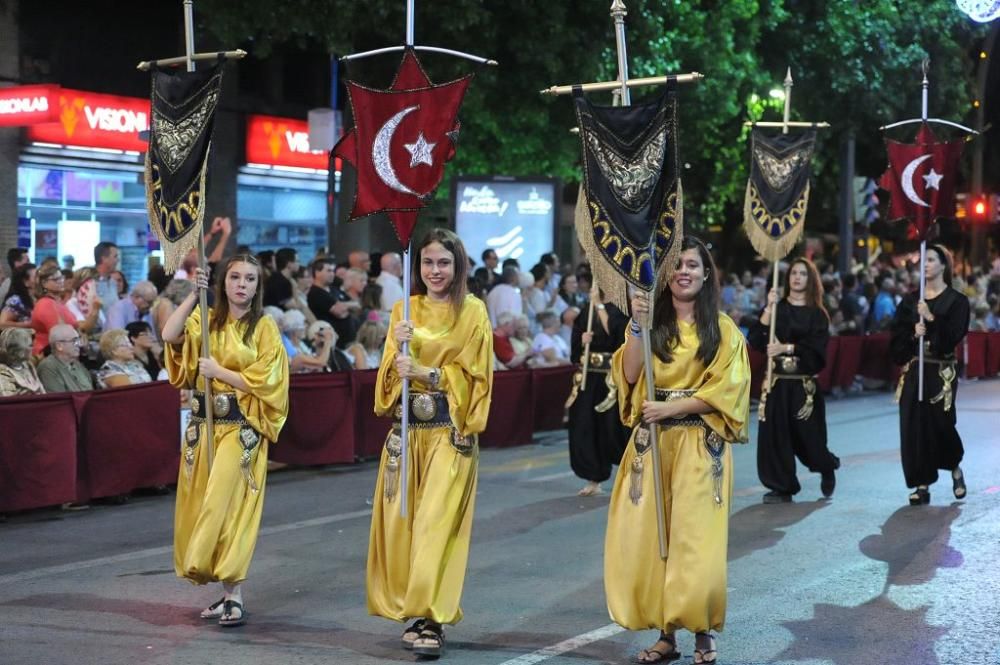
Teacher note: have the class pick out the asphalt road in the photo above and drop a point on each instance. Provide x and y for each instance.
(862, 578)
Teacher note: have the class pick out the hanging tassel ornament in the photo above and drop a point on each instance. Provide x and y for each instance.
(902, 380)
(612, 399)
(947, 374)
(390, 479)
(809, 386)
(191, 436)
(250, 440)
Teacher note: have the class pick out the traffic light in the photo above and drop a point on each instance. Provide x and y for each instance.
(865, 201)
(978, 209)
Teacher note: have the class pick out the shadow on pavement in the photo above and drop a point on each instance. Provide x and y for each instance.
(760, 526)
(516, 521)
(914, 542)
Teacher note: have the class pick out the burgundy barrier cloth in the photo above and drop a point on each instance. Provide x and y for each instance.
(37, 451)
(129, 437)
(975, 358)
(369, 430)
(824, 380)
(550, 388)
(993, 354)
(512, 411)
(849, 349)
(320, 428)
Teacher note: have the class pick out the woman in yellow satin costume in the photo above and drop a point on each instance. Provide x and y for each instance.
(702, 378)
(218, 508)
(416, 563)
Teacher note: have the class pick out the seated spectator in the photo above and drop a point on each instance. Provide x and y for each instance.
(371, 305)
(321, 335)
(548, 344)
(566, 319)
(134, 308)
(15, 311)
(300, 357)
(62, 371)
(505, 296)
(175, 293)
(503, 346)
(522, 339)
(144, 347)
(366, 351)
(978, 322)
(120, 367)
(49, 310)
(17, 374)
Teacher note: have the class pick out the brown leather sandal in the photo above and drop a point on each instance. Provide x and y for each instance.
(654, 655)
(411, 633)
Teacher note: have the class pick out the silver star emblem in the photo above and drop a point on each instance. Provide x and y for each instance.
(420, 152)
(932, 180)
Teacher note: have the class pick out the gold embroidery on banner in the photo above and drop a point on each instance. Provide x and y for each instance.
(779, 171)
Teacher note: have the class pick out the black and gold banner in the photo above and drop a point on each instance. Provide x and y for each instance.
(630, 213)
(181, 123)
(774, 211)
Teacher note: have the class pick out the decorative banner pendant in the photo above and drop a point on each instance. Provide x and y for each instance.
(401, 140)
(774, 210)
(631, 199)
(181, 124)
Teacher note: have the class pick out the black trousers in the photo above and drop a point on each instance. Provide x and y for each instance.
(781, 438)
(596, 440)
(928, 438)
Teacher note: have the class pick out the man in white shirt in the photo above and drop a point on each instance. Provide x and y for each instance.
(391, 280)
(505, 296)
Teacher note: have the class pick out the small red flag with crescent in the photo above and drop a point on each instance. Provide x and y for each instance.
(921, 180)
(401, 139)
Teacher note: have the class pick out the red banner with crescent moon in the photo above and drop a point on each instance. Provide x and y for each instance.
(401, 139)
(921, 180)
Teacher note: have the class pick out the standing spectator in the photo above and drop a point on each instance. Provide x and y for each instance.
(548, 344)
(366, 351)
(16, 257)
(158, 276)
(391, 281)
(15, 308)
(144, 347)
(490, 263)
(134, 308)
(86, 303)
(121, 284)
(106, 262)
(505, 296)
(62, 371)
(331, 304)
(49, 311)
(175, 293)
(884, 307)
(359, 259)
(17, 374)
(569, 293)
(267, 264)
(278, 290)
(371, 304)
(536, 300)
(567, 319)
(120, 367)
(850, 307)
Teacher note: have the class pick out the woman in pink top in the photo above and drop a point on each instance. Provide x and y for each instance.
(49, 311)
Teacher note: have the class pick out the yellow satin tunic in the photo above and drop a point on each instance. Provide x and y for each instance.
(688, 589)
(416, 564)
(217, 513)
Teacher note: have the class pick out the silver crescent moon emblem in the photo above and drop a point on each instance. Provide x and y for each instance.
(906, 180)
(380, 152)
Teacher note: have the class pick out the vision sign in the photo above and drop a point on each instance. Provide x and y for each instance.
(93, 120)
(282, 142)
(28, 105)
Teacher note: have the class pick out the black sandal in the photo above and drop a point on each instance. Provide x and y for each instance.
(430, 643)
(653, 655)
(706, 656)
(958, 483)
(213, 611)
(412, 632)
(920, 496)
(227, 620)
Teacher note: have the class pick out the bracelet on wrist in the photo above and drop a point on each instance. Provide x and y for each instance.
(635, 329)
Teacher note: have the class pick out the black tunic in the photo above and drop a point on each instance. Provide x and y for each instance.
(928, 438)
(781, 436)
(596, 440)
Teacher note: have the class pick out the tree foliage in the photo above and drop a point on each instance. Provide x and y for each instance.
(856, 65)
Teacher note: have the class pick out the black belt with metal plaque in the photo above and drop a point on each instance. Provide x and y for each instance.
(427, 410)
(225, 408)
(599, 362)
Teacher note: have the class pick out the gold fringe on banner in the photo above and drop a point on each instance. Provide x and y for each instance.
(757, 220)
(174, 252)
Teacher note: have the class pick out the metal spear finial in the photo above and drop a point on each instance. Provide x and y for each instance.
(618, 10)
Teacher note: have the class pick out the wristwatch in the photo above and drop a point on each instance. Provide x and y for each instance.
(598, 306)
(435, 377)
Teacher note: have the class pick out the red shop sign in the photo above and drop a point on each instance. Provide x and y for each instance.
(28, 105)
(278, 141)
(93, 120)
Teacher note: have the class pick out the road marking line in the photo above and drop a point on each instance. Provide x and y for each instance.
(565, 646)
(47, 571)
(551, 476)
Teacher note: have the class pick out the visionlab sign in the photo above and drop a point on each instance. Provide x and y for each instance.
(29, 105)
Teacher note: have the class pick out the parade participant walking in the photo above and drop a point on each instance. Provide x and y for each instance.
(702, 377)
(218, 507)
(416, 562)
(928, 438)
(793, 420)
(597, 438)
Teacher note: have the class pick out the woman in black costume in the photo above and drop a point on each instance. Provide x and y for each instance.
(928, 438)
(793, 413)
(597, 436)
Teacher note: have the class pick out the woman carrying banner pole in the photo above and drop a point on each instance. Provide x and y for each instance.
(702, 378)
(794, 422)
(928, 438)
(219, 503)
(417, 561)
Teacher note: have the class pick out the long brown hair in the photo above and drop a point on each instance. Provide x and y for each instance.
(945, 257)
(814, 285)
(451, 242)
(220, 311)
(666, 334)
